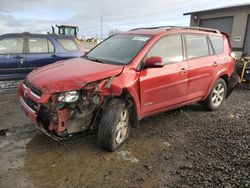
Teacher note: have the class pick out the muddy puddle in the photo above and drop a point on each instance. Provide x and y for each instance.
(43, 162)
(80, 162)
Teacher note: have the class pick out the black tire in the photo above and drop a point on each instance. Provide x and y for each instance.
(208, 103)
(107, 130)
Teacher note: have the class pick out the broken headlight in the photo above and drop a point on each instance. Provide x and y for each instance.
(68, 96)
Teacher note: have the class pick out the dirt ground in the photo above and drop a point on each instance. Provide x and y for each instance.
(187, 147)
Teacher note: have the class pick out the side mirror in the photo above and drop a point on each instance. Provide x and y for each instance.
(154, 62)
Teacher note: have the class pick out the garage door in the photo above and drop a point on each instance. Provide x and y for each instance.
(247, 38)
(223, 24)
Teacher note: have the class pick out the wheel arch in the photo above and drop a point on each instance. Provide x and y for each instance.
(223, 75)
(131, 101)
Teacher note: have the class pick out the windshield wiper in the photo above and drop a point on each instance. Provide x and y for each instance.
(96, 60)
(103, 61)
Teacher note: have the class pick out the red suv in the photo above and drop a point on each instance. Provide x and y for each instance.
(127, 77)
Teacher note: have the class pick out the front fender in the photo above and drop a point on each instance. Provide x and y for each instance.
(134, 94)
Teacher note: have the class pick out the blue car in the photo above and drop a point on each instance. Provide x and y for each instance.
(22, 53)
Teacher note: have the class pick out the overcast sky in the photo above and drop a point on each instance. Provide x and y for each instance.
(38, 15)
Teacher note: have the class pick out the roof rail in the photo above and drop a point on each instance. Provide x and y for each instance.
(157, 27)
(195, 28)
(180, 27)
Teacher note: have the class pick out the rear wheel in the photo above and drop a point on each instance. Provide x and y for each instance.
(216, 96)
(114, 127)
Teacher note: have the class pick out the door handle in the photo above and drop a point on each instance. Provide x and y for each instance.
(183, 70)
(18, 57)
(54, 55)
(215, 64)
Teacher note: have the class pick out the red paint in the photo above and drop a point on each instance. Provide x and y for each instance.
(63, 116)
(153, 62)
(71, 74)
(153, 89)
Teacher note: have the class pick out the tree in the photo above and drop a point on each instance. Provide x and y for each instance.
(113, 32)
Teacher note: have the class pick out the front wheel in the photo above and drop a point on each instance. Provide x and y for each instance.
(216, 96)
(114, 127)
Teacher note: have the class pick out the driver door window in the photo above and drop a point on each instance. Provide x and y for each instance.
(169, 48)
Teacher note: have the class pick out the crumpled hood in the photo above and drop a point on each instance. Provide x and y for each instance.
(71, 74)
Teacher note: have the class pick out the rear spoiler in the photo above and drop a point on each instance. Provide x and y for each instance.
(226, 35)
(228, 39)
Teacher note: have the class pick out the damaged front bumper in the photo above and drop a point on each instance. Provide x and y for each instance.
(30, 99)
(54, 119)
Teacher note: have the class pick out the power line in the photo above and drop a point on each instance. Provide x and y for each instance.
(101, 28)
(133, 13)
(112, 22)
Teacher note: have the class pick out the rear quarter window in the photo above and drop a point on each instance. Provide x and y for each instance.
(68, 44)
(218, 43)
(197, 46)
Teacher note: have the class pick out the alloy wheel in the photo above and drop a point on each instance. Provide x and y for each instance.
(122, 127)
(218, 95)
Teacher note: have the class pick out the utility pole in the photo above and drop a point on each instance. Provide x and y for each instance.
(101, 27)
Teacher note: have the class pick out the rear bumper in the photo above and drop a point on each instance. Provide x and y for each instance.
(233, 82)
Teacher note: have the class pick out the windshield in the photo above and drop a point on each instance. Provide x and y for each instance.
(119, 49)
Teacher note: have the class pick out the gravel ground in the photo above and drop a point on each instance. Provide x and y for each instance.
(187, 147)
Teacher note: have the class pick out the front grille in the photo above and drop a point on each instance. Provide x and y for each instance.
(32, 88)
(33, 105)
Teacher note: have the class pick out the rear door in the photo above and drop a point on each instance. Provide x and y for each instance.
(41, 52)
(203, 65)
(166, 86)
(12, 58)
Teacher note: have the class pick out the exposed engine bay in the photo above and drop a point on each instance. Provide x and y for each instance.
(69, 112)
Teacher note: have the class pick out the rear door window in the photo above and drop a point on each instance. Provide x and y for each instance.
(218, 43)
(40, 45)
(197, 46)
(68, 44)
(169, 48)
(11, 46)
